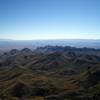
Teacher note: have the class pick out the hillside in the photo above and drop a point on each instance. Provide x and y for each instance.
(50, 73)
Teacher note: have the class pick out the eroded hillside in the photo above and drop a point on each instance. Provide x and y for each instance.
(50, 73)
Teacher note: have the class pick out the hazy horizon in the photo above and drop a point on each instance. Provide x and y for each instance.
(46, 39)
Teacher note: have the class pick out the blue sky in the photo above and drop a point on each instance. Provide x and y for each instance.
(49, 19)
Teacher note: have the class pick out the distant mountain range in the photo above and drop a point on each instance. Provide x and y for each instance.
(32, 44)
(67, 49)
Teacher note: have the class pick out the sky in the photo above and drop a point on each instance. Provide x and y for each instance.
(49, 19)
